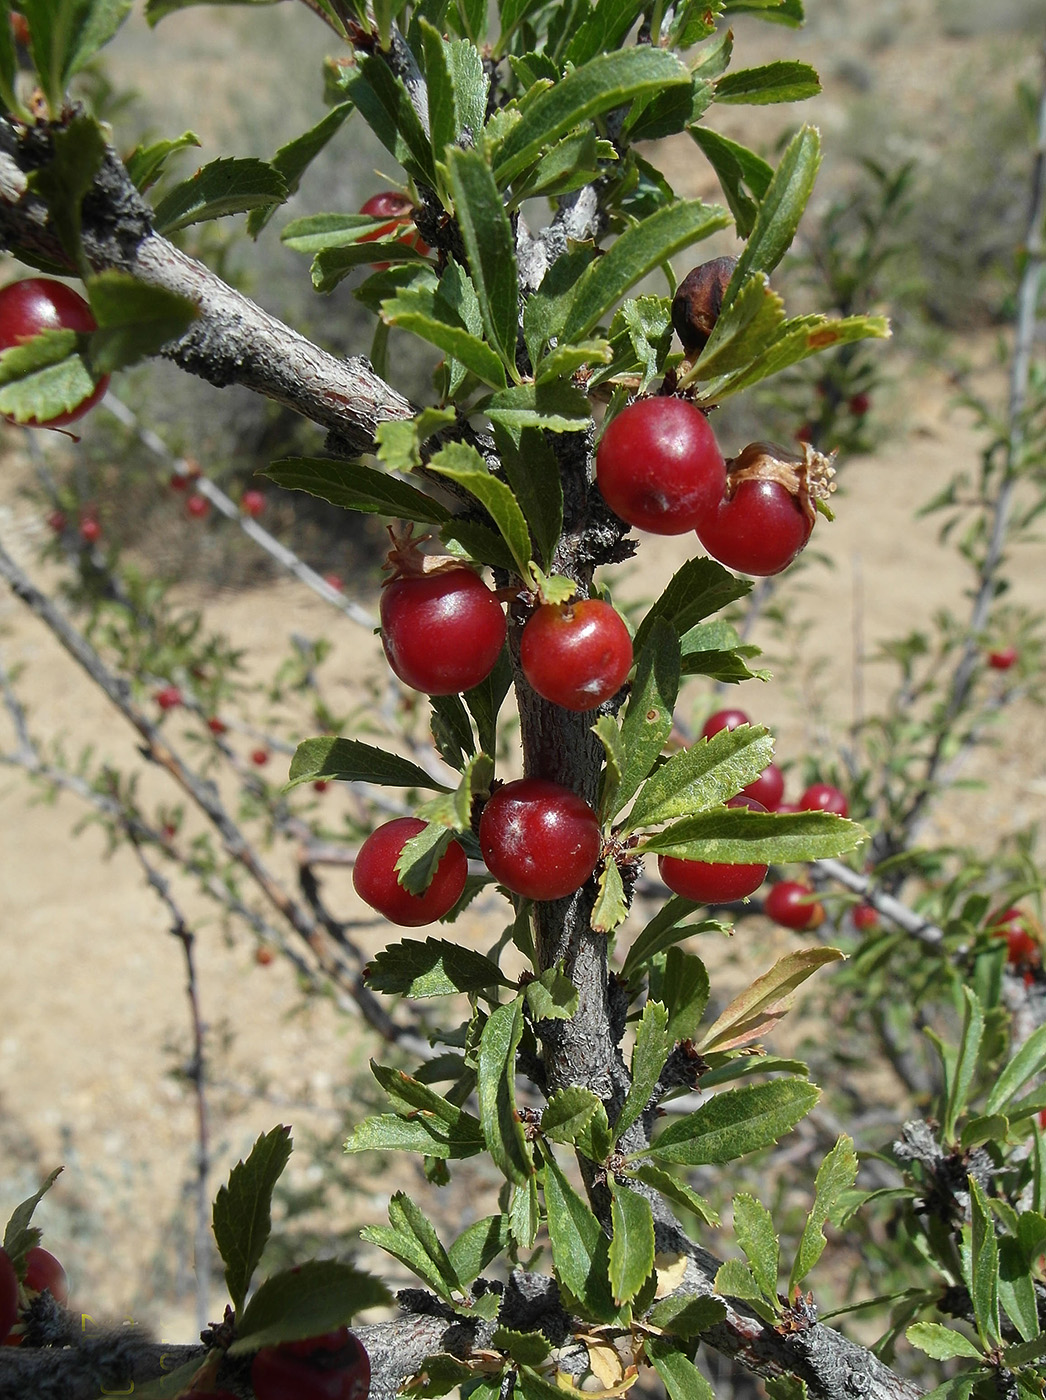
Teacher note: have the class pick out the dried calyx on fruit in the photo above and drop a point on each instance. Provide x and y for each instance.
(699, 300)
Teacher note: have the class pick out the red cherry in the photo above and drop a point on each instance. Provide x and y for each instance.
(1019, 930)
(90, 529)
(332, 1367)
(8, 1295)
(659, 467)
(724, 719)
(768, 788)
(792, 905)
(198, 506)
(865, 917)
(260, 757)
(20, 28)
(216, 725)
(823, 797)
(42, 304)
(264, 955)
(252, 502)
(401, 209)
(376, 882)
(1003, 659)
(539, 839)
(43, 1270)
(334, 581)
(168, 698)
(859, 405)
(759, 530)
(320, 785)
(57, 521)
(714, 882)
(442, 632)
(576, 654)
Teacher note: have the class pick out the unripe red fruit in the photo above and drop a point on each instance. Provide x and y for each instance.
(442, 632)
(823, 797)
(859, 405)
(260, 757)
(659, 467)
(400, 209)
(197, 505)
(57, 521)
(714, 882)
(539, 839)
(332, 1367)
(791, 904)
(375, 880)
(252, 502)
(90, 529)
(1013, 924)
(576, 654)
(723, 719)
(8, 1295)
(1003, 659)
(43, 1270)
(169, 697)
(864, 916)
(699, 300)
(41, 304)
(768, 788)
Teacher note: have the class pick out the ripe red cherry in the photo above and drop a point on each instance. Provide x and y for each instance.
(332, 1367)
(260, 757)
(169, 697)
(823, 797)
(320, 785)
(576, 654)
(42, 304)
(1018, 929)
(90, 529)
(864, 917)
(659, 467)
(20, 28)
(724, 719)
(400, 209)
(539, 839)
(374, 876)
(859, 404)
(8, 1295)
(442, 632)
(198, 506)
(252, 502)
(713, 882)
(1003, 659)
(759, 530)
(43, 1270)
(768, 788)
(791, 904)
(216, 725)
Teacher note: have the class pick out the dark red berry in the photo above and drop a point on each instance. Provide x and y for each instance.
(865, 917)
(20, 28)
(264, 955)
(1003, 659)
(699, 300)
(198, 506)
(57, 521)
(216, 725)
(252, 502)
(260, 757)
(714, 882)
(539, 839)
(793, 906)
(43, 1270)
(8, 1295)
(724, 719)
(823, 797)
(442, 632)
(659, 467)
(804, 433)
(576, 654)
(332, 1367)
(1020, 931)
(768, 788)
(320, 785)
(376, 882)
(41, 304)
(401, 210)
(168, 698)
(334, 581)
(859, 405)
(90, 529)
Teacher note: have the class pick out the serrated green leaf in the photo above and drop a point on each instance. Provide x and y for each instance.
(784, 80)
(484, 702)
(417, 862)
(434, 968)
(743, 176)
(451, 730)
(419, 310)
(387, 1132)
(352, 761)
(554, 406)
(939, 1342)
(632, 1242)
(552, 996)
(229, 185)
(77, 151)
(409, 1095)
(648, 1060)
(685, 993)
(479, 543)
(496, 1087)
(1030, 1060)
(611, 907)
(533, 474)
(567, 1113)
(580, 1249)
(608, 731)
(754, 1231)
(64, 36)
(737, 835)
(647, 721)
(385, 105)
(603, 30)
(703, 776)
(460, 462)
(356, 487)
(965, 1063)
(319, 233)
(682, 1379)
(753, 1011)
(796, 341)
(145, 164)
(134, 319)
(1017, 1288)
(306, 1301)
(407, 1217)
(478, 1246)
(294, 158)
(44, 377)
(742, 332)
(19, 1234)
(836, 1174)
(696, 591)
(242, 1215)
(525, 1213)
(664, 929)
(687, 1314)
(525, 1348)
(736, 1122)
(490, 247)
(984, 1265)
(404, 1246)
(570, 163)
(681, 1195)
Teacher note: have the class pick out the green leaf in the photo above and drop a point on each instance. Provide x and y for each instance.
(608, 732)
(533, 474)
(735, 1279)
(293, 159)
(485, 700)
(496, 1086)
(685, 993)
(44, 377)
(608, 81)
(407, 1217)
(229, 185)
(703, 776)
(352, 761)
(78, 150)
(737, 835)
(687, 1314)
(320, 233)
(836, 1174)
(781, 81)
(568, 1113)
(434, 968)
(681, 1195)
(756, 1009)
(478, 1246)
(385, 106)
(696, 591)
(146, 164)
(20, 1235)
(65, 35)
(640, 341)
(525, 1348)
(638, 251)
(603, 31)
(387, 1132)
(647, 720)
(156, 10)
(242, 1216)
(939, 1342)
(632, 1242)
(736, 1122)
(648, 1060)
(525, 1213)
(611, 906)
(1030, 1060)
(682, 1379)
(580, 1249)
(754, 1230)
(664, 929)
(479, 543)
(419, 310)
(306, 1301)
(798, 339)
(356, 487)
(552, 996)
(965, 1063)
(571, 163)
(743, 176)
(403, 1245)
(490, 246)
(409, 1095)
(554, 406)
(984, 1265)
(134, 319)
(1017, 1288)
(742, 332)
(461, 462)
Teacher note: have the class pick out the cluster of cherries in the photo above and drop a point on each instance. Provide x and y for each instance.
(43, 1272)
